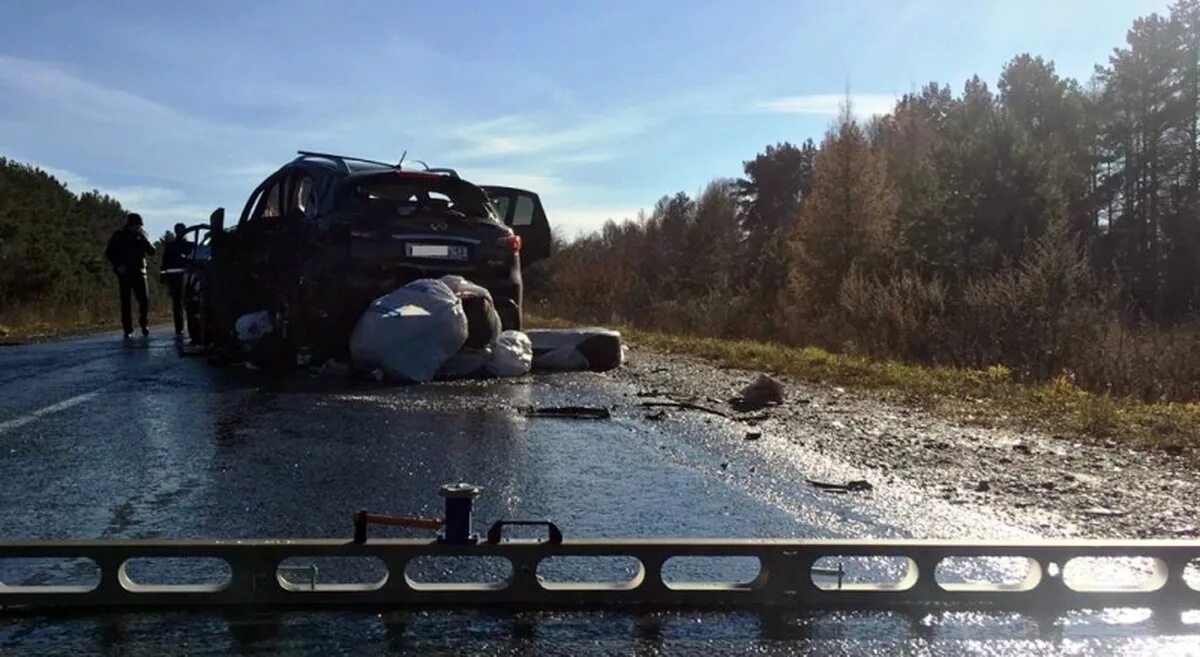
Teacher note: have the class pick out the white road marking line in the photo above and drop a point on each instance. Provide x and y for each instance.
(52, 408)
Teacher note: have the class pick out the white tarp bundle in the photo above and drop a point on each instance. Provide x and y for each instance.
(410, 332)
(565, 350)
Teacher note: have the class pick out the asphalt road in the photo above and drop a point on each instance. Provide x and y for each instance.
(105, 438)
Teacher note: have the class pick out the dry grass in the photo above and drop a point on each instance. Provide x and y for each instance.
(28, 324)
(1057, 407)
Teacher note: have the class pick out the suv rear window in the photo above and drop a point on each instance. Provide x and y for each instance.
(409, 195)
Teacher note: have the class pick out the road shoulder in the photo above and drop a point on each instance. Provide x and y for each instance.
(1053, 485)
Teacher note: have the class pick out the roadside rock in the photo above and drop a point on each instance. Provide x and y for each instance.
(764, 391)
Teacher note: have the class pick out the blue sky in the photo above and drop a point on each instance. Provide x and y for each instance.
(602, 107)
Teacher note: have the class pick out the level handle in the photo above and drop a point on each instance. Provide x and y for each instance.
(496, 532)
(363, 518)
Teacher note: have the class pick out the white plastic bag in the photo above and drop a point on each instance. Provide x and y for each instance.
(512, 355)
(252, 327)
(410, 332)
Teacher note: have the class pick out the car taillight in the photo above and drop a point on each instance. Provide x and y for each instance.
(512, 242)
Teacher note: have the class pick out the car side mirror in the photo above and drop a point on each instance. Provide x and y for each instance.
(216, 220)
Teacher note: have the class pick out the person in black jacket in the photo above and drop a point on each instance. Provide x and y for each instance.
(174, 260)
(127, 251)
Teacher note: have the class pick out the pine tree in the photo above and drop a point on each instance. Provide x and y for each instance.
(848, 220)
(777, 182)
(711, 243)
(908, 138)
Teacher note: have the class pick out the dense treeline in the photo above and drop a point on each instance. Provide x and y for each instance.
(52, 266)
(1042, 224)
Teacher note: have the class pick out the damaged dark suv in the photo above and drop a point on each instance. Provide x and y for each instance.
(322, 237)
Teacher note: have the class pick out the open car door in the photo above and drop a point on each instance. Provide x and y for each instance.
(522, 211)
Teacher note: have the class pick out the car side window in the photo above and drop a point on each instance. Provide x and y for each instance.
(269, 205)
(523, 214)
(501, 204)
(303, 202)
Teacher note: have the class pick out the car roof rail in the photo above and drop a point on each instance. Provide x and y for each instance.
(343, 160)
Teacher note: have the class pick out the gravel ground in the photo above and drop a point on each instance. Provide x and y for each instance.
(1053, 485)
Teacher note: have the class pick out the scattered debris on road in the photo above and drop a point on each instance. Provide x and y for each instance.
(685, 405)
(571, 412)
(852, 486)
(764, 391)
(901, 438)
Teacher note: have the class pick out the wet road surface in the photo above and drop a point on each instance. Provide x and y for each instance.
(101, 438)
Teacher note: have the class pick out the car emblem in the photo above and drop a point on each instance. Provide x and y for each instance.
(438, 225)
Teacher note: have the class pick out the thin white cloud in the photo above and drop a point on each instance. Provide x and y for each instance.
(161, 207)
(828, 104)
(171, 164)
(590, 140)
(74, 182)
(575, 221)
(124, 133)
(540, 183)
(73, 95)
(165, 163)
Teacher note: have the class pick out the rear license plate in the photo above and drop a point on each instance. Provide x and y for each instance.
(438, 251)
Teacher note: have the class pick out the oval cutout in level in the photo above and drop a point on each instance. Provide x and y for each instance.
(48, 575)
(617, 572)
(1114, 574)
(682, 573)
(458, 573)
(200, 574)
(1191, 574)
(987, 573)
(332, 573)
(859, 573)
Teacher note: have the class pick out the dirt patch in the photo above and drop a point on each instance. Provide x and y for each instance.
(1054, 485)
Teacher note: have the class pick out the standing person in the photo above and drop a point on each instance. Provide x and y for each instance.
(174, 260)
(127, 251)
